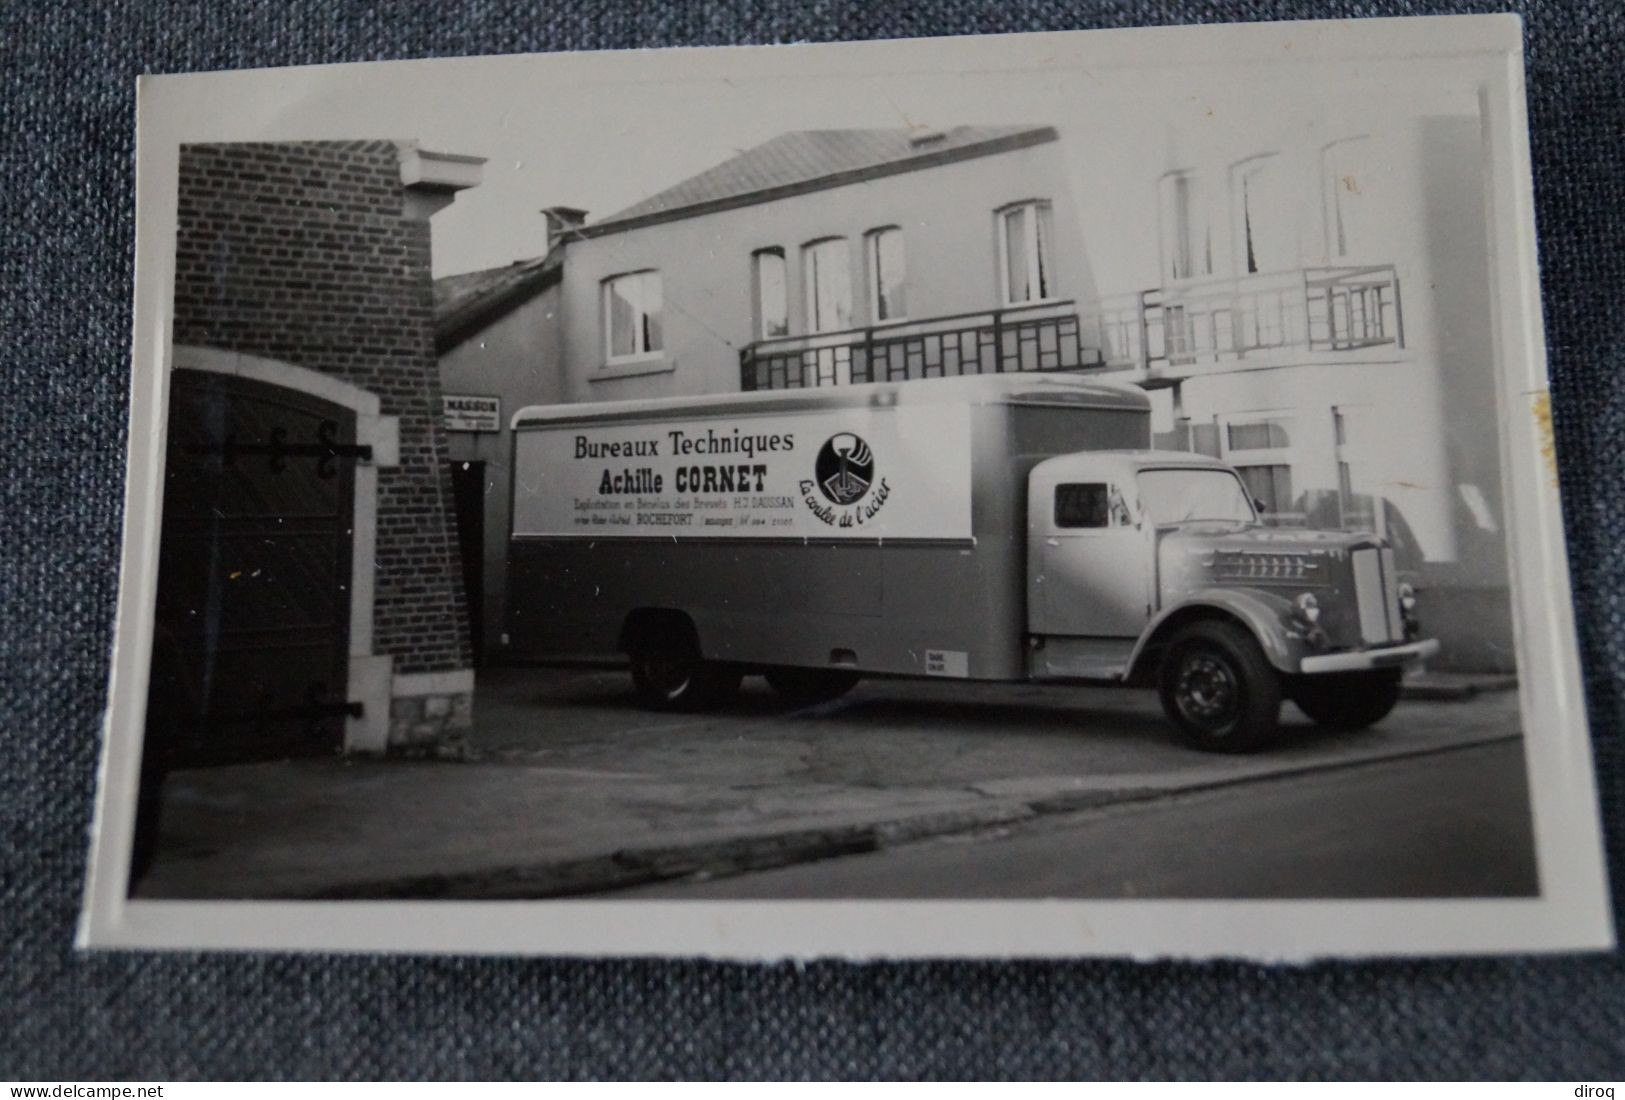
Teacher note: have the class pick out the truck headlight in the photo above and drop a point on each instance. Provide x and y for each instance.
(1407, 610)
(1306, 618)
(1407, 598)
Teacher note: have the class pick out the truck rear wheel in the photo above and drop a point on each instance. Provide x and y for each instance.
(1347, 700)
(670, 674)
(807, 686)
(1219, 689)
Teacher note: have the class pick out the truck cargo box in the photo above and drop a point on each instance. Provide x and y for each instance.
(873, 527)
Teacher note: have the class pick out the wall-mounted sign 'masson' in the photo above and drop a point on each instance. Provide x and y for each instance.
(472, 413)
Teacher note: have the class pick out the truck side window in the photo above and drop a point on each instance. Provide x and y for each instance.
(1083, 505)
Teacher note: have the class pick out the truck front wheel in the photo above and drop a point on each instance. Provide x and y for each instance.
(1346, 700)
(1219, 689)
(670, 674)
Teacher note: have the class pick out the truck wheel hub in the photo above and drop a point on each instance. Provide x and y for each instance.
(1206, 688)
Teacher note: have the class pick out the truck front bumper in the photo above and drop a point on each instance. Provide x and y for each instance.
(1359, 659)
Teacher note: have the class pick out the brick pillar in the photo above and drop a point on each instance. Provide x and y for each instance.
(317, 254)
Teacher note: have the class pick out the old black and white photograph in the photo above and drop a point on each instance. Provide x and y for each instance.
(1072, 493)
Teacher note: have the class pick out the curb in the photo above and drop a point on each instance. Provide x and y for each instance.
(1430, 689)
(631, 867)
(715, 859)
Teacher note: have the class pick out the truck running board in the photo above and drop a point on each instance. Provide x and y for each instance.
(1056, 658)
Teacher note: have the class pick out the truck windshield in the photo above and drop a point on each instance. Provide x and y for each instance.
(1180, 496)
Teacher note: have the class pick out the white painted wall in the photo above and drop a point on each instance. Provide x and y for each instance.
(947, 217)
(1428, 440)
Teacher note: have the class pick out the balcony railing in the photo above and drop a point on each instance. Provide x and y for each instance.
(1044, 337)
(1207, 321)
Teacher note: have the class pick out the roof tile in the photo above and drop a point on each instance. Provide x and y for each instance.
(805, 156)
(465, 303)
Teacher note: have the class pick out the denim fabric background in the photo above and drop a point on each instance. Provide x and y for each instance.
(67, 87)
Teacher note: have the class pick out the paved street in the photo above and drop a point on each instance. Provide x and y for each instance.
(569, 787)
(1451, 824)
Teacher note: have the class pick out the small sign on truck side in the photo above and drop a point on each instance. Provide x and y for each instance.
(996, 528)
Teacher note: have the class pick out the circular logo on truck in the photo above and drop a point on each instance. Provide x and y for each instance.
(845, 468)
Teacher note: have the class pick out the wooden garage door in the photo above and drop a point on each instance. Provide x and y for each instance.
(250, 649)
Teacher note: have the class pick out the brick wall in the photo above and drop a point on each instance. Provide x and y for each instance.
(300, 251)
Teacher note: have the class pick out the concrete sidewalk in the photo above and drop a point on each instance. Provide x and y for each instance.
(1454, 686)
(570, 789)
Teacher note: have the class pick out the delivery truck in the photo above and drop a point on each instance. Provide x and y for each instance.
(1015, 527)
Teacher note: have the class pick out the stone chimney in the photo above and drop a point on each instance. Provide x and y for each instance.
(562, 221)
(432, 180)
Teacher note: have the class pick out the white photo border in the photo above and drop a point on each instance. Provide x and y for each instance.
(1572, 911)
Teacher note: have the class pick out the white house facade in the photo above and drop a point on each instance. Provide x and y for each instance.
(1304, 291)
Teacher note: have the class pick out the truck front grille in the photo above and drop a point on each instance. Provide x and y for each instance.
(1376, 594)
(1266, 566)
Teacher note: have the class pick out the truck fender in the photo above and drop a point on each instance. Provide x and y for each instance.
(1264, 614)
(656, 622)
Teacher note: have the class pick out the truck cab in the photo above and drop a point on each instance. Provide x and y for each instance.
(1157, 568)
